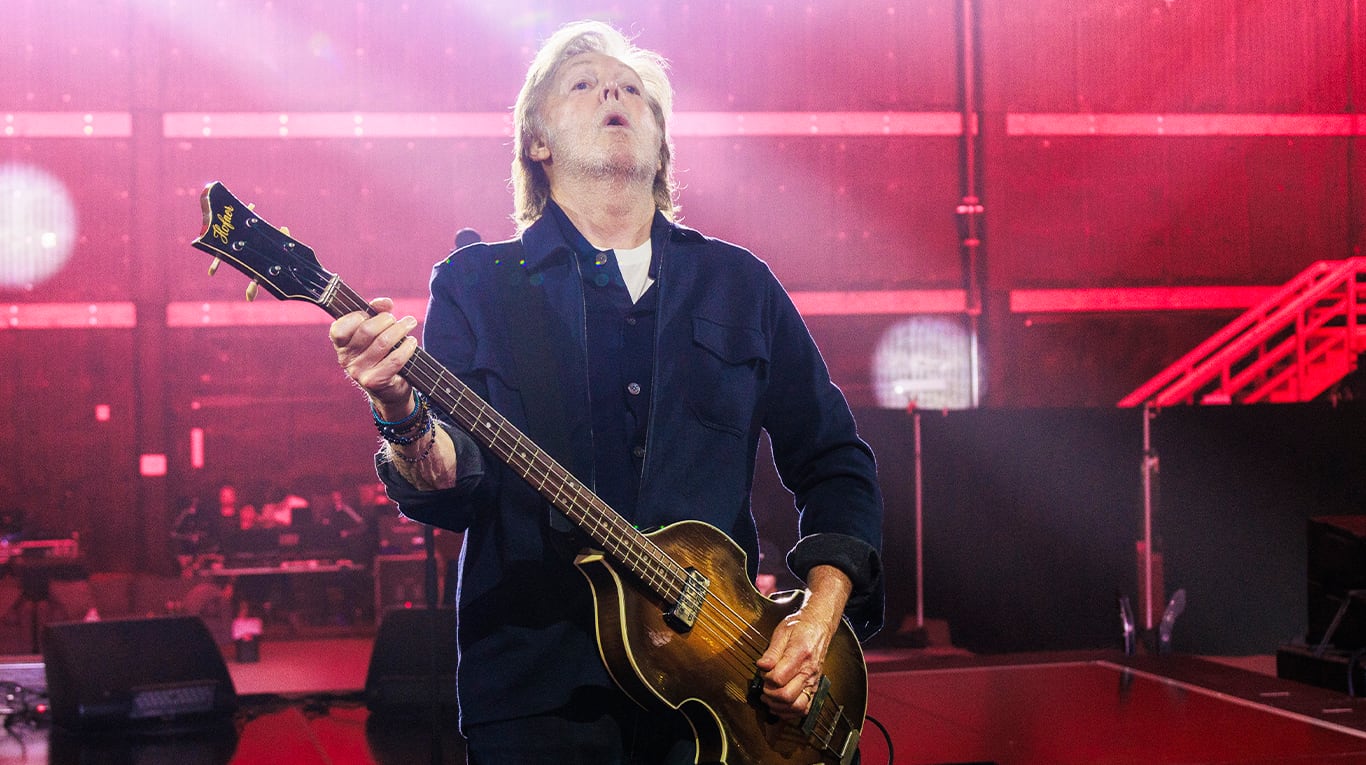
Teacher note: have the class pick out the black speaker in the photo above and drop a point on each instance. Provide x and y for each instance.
(413, 661)
(163, 674)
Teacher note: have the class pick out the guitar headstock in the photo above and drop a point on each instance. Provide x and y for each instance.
(286, 267)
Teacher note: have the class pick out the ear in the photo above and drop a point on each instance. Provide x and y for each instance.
(539, 151)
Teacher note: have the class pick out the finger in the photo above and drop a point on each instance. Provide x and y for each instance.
(801, 655)
(378, 366)
(377, 337)
(791, 700)
(775, 650)
(342, 330)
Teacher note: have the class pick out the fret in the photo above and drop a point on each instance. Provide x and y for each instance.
(550, 479)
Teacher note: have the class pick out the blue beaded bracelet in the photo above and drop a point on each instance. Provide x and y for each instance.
(412, 416)
(414, 426)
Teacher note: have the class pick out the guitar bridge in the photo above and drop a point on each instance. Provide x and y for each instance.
(818, 700)
(684, 611)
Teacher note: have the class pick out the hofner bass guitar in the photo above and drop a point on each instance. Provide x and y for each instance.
(679, 624)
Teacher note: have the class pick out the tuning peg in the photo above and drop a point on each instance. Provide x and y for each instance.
(213, 267)
(251, 291)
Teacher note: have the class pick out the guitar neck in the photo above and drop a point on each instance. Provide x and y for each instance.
(617, 538)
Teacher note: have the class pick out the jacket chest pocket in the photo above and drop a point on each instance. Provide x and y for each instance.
(728, 367)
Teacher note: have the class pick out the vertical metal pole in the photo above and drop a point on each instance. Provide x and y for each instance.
(1149, 465)
(919, 526)
(1353, 40)
(970, 208)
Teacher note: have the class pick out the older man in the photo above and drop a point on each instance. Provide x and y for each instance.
(646, 359)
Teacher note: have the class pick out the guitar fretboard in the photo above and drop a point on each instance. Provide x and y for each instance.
(618, 539)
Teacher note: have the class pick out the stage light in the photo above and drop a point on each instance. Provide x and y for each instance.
(37, 225)
(925, 362)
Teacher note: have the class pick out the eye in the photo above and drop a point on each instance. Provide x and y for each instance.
(581, 85)
(632, 89)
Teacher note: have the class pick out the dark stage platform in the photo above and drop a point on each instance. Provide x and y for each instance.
(301, 704)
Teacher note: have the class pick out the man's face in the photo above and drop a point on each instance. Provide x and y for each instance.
(598, 121)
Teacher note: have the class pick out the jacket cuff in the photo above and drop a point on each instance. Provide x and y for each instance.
(469, 469)
(859, 561)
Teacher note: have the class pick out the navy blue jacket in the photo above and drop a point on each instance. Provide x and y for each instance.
(732, 358)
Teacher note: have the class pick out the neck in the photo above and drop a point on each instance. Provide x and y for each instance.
(611, 215)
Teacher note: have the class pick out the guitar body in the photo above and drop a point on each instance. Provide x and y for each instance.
(706, 672)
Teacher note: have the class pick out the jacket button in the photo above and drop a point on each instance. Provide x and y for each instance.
(639, 452)
(633, 389)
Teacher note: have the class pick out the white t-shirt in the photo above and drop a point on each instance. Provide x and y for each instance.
(635, 269)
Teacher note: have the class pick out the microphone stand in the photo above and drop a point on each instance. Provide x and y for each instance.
(432, 599)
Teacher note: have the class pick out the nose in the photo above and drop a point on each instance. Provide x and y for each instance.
(611, 91)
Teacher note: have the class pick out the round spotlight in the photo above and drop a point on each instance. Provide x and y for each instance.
(924, 361)
(37, 225)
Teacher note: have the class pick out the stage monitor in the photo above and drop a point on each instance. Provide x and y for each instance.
(161, 674)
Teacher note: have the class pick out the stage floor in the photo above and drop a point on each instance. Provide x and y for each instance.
(301, 704)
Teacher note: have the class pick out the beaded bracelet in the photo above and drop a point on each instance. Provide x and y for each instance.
(399, 424)
(409, 429)
(409, 436)
(426, 450)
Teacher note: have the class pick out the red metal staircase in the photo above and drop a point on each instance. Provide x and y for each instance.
(1292, 347)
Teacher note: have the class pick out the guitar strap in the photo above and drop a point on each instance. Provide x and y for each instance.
(533, 335)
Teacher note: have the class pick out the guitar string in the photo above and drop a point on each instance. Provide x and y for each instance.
(663, 562)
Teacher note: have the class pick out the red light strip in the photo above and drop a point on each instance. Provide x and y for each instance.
(721, 124)
(66, 124)
(499, 124)
(240, 313)
(879, 302)
(1138, 299)
(686, 124)
(68, 316)
(336, 125)
(1158, 125)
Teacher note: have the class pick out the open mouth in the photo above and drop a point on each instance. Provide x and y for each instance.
(614, 119)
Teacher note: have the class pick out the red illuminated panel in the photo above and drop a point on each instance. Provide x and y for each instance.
(66, 125)
(1138, 299)
(899, 302)
(152, 465)
(68, 316)
(873, 302)
(1182, 124)
(714, 124)
(240, 313)
(499, 124)
(336, 125)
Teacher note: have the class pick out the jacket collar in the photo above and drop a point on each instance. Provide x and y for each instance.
(553, 237)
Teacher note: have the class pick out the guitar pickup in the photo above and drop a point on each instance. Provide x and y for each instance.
(684, 611)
